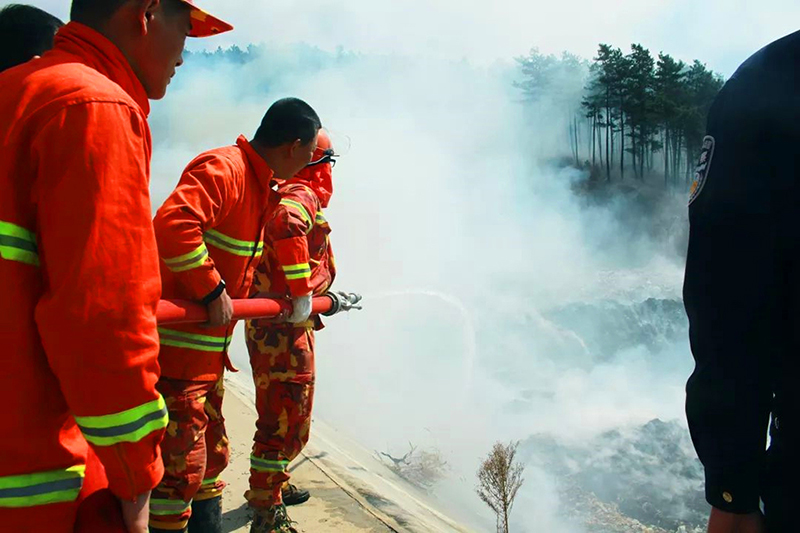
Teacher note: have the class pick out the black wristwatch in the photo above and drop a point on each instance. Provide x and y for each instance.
(213, 295)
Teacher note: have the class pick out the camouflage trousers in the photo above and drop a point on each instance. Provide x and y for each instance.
(282, 358)
(195, 450)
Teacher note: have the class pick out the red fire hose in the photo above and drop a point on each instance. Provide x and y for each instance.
(182, 311)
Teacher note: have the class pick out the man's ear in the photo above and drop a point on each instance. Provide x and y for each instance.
(145, 12)
(295, 147)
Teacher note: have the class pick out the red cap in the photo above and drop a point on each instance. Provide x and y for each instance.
(204, 24)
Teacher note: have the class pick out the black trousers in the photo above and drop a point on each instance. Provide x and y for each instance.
(781, 493)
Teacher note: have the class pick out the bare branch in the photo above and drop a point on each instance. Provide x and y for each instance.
(424, 469)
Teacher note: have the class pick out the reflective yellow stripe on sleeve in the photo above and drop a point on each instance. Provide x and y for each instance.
(233, 246)
(301, 210)
(203, 343)
(128, 426)
(193, 259)
(300, 271)
(41, 488)
(18, 244)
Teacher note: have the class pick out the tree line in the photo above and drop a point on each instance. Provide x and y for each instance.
(634, 114)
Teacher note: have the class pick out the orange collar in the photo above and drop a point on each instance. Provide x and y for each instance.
(263, 172)
(99, 53)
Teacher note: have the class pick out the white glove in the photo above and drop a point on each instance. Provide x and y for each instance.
(301, 309)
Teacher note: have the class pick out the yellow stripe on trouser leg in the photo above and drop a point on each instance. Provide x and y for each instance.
(266, 465)
(162, 507)
(169, 526)
(211, 488)
(166, 514)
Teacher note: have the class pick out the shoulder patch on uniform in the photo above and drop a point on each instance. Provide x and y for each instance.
(703, 167)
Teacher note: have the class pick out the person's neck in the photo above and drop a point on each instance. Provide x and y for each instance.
(111, 30)
(104, 28)
(271, 157)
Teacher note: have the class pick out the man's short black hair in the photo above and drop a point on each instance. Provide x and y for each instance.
(25, 31)
(286, 121)
(94, 12)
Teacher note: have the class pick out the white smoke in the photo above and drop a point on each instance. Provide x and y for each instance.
(449, 218)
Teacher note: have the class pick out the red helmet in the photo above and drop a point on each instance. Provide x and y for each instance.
(204, 24)
(317, 175)
(324, 152)
(324, 140)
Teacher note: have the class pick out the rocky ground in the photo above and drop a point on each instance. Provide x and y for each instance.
(644, 479)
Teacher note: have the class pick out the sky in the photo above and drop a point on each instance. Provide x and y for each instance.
(721, 33)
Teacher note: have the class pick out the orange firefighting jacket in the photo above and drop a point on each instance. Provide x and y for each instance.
(211, 229)
(79, 280)
(298, 259)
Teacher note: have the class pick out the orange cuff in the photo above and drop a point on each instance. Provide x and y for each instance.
(133, 468)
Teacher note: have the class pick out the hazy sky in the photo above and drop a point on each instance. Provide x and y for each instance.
(722, 33)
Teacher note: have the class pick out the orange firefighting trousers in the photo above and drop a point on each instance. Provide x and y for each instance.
(195, 450)
(282, 358)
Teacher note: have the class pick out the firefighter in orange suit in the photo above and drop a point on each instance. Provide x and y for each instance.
(79, 266)
(298, 264)
(210, 238)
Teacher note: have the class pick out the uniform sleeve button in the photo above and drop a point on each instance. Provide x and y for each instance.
(727, 497)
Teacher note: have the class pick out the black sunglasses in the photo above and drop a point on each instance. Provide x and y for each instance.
(328, 157)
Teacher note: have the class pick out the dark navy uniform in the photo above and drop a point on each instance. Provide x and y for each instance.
(742, 289)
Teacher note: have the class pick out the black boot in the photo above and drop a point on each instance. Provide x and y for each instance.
(294, 496)
(206, 516)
